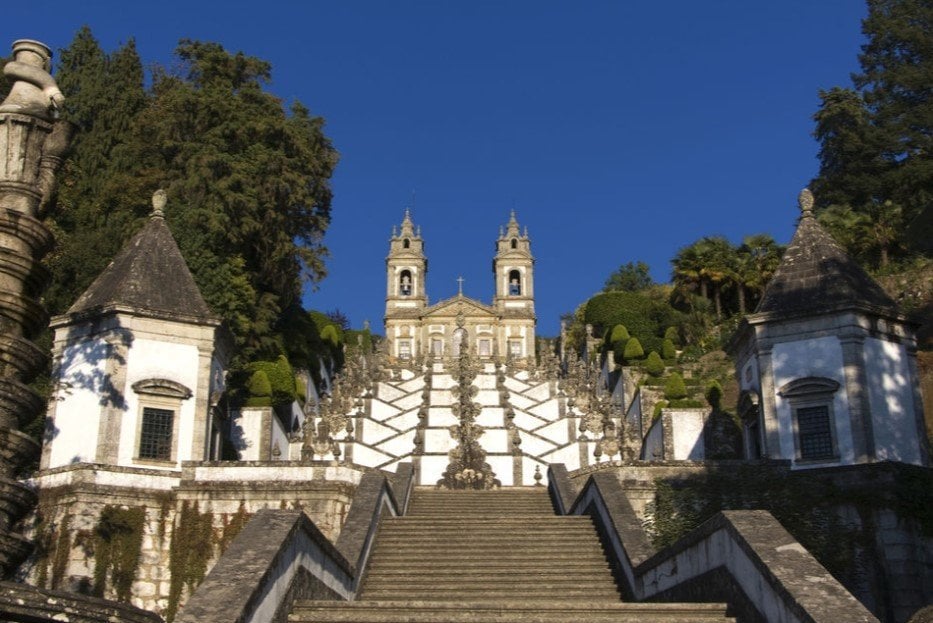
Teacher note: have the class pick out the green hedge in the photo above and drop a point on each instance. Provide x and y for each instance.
(271, 383)
(653, 364)
(633, 350)
(643, 317)
(668, 350)
(674, 388)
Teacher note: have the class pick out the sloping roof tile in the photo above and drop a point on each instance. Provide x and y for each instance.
(148, 274)
(816, 275)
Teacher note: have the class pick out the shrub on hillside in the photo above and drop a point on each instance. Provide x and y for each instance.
(633, 350)
(674, 388)
(668, 351)
(653, 364)
(714, 394)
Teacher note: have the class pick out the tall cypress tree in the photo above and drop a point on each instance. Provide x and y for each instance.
(876, 140)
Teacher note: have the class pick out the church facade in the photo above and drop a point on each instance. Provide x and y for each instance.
(415, 328)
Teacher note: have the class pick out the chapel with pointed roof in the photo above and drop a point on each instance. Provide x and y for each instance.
(827, 364)
(415, 328)
(139, 360)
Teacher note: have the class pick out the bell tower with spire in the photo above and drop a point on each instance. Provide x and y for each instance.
(513, 267)
(406, 269)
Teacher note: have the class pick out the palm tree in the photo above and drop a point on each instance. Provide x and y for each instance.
(717, 256)
(757, 259)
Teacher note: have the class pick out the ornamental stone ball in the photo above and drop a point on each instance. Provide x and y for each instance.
(805, 201)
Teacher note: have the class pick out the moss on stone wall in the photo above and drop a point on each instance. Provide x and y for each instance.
(835, 524)
(192, 548)
(118, 539)
(232, 524)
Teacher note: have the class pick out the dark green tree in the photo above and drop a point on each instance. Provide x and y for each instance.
(248, 185)
(674, 387)
(630, 277)
(653, 364)
(876, 140)
(633, 350)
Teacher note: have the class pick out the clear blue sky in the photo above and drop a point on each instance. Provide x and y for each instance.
(618, 131)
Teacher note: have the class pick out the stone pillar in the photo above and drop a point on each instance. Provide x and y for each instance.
(922, 439)
(111, 416)
(769, 421)
(32, 143)
(853, 364)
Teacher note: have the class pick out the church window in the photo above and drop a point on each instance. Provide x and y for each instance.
(514, 243)
(406, 243)
(404, 349)
(437, 347)
(515, 283)
(485, 348)
(155, 440)
(515, 348)
(405, 283)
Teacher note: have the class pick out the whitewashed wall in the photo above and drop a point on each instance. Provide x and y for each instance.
(149, 359)
(820, 357)
(890, 394)
(78, 403)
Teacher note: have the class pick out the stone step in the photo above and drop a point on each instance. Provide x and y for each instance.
(518, 585)
(481, 566)
(493, 539)
(523, 611)
(597, 572)
(540, 551)
(491, 592)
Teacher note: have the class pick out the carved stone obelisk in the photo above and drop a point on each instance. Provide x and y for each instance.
(32, 142)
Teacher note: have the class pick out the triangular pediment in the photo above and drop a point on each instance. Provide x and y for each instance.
(458, 304)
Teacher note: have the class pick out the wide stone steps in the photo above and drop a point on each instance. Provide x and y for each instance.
(506, 611)
(492, 557)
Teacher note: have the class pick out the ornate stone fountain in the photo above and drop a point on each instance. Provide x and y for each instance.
(32, 141)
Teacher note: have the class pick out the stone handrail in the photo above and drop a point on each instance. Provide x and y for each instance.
(20, 603)
(281, 556)
(745, 558)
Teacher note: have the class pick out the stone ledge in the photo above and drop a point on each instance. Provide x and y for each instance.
(259, 569)
(20, 602)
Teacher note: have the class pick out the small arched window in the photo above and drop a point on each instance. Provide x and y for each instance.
(405, 283)
(406, 243)
(514, 243)
(515, 283)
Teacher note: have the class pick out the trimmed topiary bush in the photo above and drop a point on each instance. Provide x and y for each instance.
(674, 388)
(271, 383)
(653, 364)
(329, 334)
(633, 350)
(619, 334)
(714, 394)
(668, 351)
(673, 335)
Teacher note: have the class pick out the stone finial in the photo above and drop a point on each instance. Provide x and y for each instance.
(159, 198)
(805, 201)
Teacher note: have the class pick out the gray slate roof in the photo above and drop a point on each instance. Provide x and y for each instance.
(816, 275)
(150, 275)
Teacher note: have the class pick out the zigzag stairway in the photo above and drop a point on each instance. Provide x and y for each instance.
(492, 557)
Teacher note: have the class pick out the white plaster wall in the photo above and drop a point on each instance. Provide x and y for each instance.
(890, 393)
(382, 411)
(149, 359)
(279, 437)
(820, 357)
(687, 433)
(653, 448)
(432, 468)
(77, 414)
(247, 428)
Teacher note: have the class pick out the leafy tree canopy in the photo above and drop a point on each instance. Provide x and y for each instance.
(630, 277)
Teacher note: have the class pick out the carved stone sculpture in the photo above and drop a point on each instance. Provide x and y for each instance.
(32, 144)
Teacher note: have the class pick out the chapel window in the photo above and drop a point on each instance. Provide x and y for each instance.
(404, 349)
(810, 400)
(515, 348)
(155, 439)
(437, 347)
(515, 283)
(406, 243)
(814, 433)
(485, 348)
(405, 283)
(514, 243)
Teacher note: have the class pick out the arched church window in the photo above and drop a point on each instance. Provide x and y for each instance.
(515, 283)
(406, 243)
(514, 243)
(404, 283)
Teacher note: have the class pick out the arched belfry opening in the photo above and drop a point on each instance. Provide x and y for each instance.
(514, 243)
(405, 283)
(515, 283)
(406, 243)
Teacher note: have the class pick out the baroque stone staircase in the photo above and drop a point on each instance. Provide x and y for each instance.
(492, 557)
